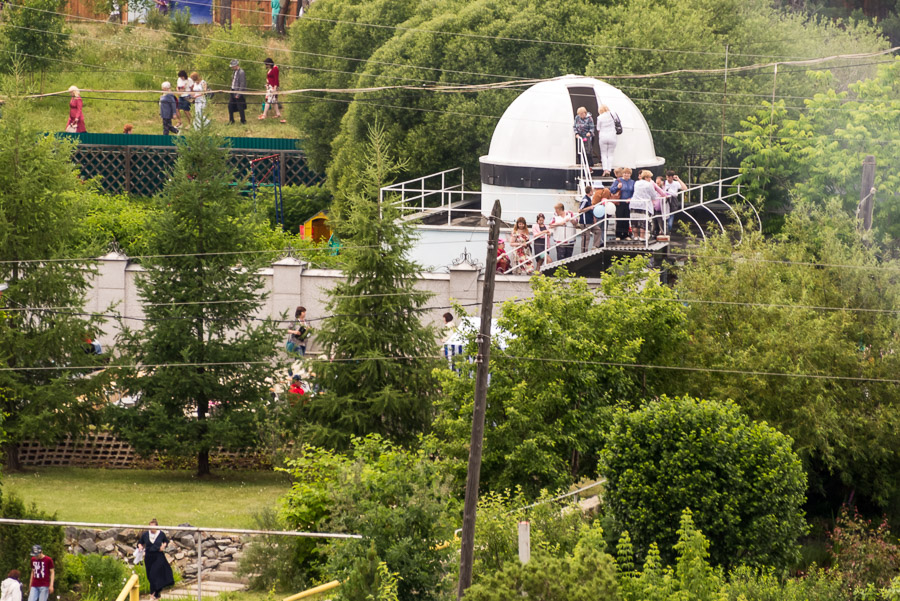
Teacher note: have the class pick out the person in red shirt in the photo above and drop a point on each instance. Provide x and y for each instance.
(272, 83)
(42, 575)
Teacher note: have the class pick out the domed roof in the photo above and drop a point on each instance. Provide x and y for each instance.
(536, 129)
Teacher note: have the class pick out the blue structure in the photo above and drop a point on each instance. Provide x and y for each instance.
(201, 10)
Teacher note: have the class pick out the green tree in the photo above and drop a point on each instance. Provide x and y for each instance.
(201, 293)
(399, 501)
(34, 32)
(741, 479)
(16, 540)
(334, 50)
(379, 374)
(686, 109)
(546, 418)
(43, 328)
(817, 155)
(813, 301)
(493, 46)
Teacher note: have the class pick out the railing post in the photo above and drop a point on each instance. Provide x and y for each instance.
(199, 566)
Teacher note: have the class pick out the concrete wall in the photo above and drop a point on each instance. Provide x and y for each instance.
(289, 283)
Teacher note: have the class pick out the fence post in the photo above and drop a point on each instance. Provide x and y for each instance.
(282, 158)
(128, 169)
(199, 566)
(524, 542)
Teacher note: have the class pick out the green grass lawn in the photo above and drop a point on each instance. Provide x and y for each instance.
(108, 57)
(227, 499)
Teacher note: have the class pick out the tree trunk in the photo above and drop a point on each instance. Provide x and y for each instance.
(11, 454)
(281, 25)
(225, 13)
(203, 463)
(203, 453)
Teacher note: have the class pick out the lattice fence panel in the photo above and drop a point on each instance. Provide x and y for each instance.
(143, 170)
(109, 162)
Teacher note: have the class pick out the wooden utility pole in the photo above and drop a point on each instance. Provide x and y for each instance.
(482, 361)
(724, 100)
(867, 193)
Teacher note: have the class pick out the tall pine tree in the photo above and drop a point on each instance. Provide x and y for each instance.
(380, 379)
(42, 324)
(200, 295)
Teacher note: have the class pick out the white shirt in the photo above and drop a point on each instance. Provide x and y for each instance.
(644, 193)
(672, 187)
(196, 87)
(11, 590)
(184, 85)
(563, 229)
(606, 127)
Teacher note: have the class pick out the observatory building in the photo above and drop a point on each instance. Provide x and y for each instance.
(533, 163)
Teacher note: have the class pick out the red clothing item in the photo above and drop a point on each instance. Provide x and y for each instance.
(40, 571)
(296, 389)
(272, 77)
(76, 115)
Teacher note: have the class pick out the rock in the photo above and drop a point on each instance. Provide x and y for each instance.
(127, 535)
(190, 569)
(125, 549)
(107, 545)
(207, 544)
(179, 556)
(111, 533)
(71, 532)
(231, 550)
(210, 563)
(223, 541)
(187, 539)
(210, 553)
(88, 545)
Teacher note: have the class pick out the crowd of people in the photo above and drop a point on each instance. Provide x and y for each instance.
(191, 95)
(640, 210)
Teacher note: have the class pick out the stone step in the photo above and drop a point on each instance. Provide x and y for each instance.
(210, 589)
(228, 566)
(223, 576)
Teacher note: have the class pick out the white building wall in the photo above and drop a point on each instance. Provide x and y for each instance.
(289, 283)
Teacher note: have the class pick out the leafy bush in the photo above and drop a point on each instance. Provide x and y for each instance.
(156, 20)
(144, 584)
(278, 561)
(300, 203)
(99, 577)
(587, 574)
(743, 482)
(398, 500)
(16, 541)
(865, 553)
(107, 218)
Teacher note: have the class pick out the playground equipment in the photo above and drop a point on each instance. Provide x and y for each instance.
(270, 171)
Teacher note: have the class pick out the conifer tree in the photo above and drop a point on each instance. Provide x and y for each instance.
(42, 324)
(379, 378)
(200, 295)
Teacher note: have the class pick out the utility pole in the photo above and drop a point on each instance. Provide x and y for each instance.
(866, 206)
(724, 100)
(482, 361)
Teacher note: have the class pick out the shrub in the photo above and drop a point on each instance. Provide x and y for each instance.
(866, 554)
(181, 31)
(741, 479)
(300, 203)
(278, 561)
(16, 541)
(101, 578)
(144, 584)
(37, 29)
(588, 574)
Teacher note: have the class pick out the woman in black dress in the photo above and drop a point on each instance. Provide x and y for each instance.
(153, 543)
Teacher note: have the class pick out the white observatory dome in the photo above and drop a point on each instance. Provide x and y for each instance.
(536, 129)
(533, 147)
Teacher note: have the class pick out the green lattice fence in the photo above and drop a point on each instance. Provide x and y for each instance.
(140, 164)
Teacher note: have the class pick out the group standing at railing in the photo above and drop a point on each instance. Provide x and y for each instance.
(638, 209)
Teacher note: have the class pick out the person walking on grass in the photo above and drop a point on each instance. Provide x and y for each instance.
(198, 91)
(75, 124)
(183, 85)
(237, 102)
(159, 573)
(168, 108)
(43, 574)
(11, 588)
(272, 83)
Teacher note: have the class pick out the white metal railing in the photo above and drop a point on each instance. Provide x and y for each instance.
(413, 193)
(586, 176)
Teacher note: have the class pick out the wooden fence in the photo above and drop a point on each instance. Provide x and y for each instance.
(251, 13)
(104, 450)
